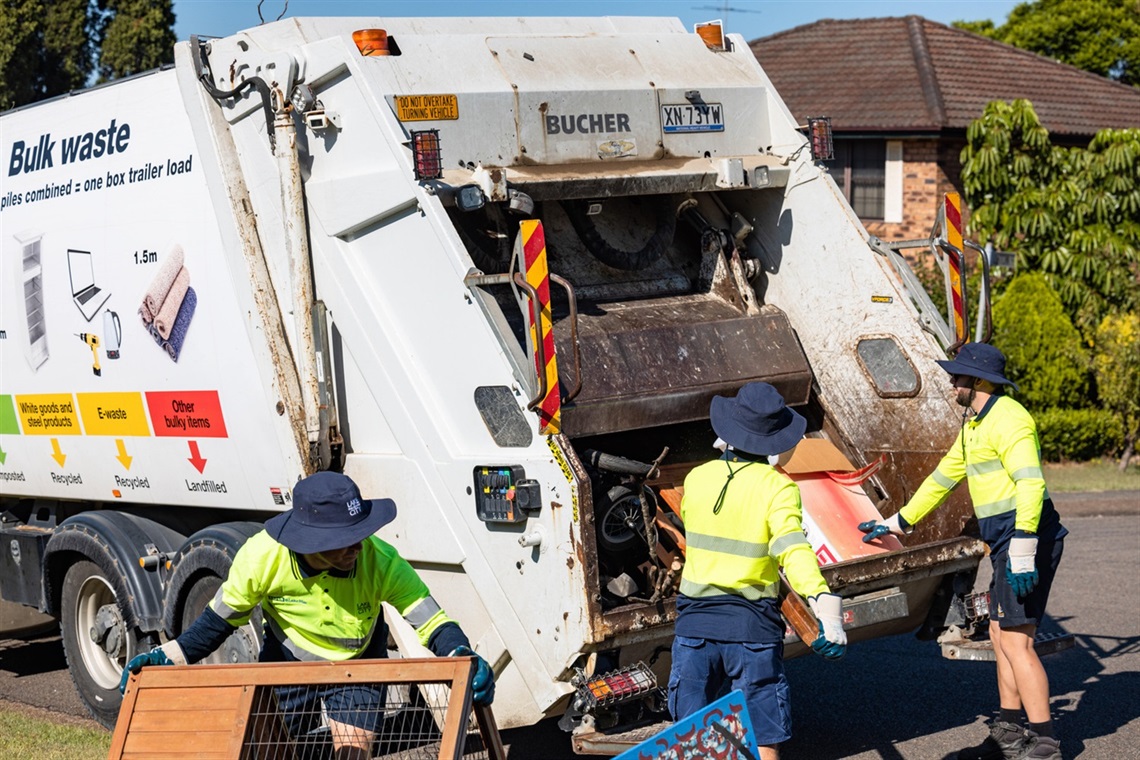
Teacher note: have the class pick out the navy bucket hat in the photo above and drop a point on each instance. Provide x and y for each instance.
(757, 421)
(328, 513)
(978, 360)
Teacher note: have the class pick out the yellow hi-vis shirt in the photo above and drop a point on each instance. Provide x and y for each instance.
(738, 551)
(998, 452)
(328, 615)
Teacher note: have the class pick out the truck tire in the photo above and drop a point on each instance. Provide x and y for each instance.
(202, 563)
(96, 639)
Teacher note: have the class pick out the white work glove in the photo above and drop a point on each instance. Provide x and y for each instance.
(1021, 569)
(832, 640)
(876, 528)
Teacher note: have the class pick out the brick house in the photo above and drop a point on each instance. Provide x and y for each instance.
(902, 91)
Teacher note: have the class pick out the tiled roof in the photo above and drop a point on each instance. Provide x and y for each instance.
(910, 74)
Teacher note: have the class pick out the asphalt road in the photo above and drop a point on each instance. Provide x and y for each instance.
(889, 699)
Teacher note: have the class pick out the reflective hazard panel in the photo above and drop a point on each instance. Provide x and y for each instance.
(538, 275)
(427, 107)
(953, 232)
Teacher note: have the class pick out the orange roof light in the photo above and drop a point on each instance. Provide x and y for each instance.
(371, 41)
(712, 33)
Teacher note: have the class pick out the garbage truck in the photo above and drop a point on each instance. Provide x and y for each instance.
(492, 268)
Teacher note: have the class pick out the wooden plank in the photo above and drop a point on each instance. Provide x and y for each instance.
(184, 741)
(490, 733)
(455, 719)
(174, 721)
(421, 670)
(242, 711)
(188, 698)
(123, 722)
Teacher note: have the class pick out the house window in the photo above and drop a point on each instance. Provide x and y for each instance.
(860, 170)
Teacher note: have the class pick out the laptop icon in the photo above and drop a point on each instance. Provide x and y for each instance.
(88, 296)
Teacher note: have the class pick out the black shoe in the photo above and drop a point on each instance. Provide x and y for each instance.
(1040, 748)
(1005, 742)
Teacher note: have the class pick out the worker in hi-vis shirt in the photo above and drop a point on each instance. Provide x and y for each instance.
(998, 453)
(742, 523)
(320, 575)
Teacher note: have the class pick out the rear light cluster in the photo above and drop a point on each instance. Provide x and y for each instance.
(621, 685)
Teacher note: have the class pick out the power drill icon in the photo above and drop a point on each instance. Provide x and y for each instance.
(92, 340)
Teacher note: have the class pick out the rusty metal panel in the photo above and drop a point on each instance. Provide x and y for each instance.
(660, 361)
(901, 476)
(900, 567)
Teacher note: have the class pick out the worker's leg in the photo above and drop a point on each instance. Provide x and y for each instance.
(1021, 676)
(1030, 684)
(354, 715)
(1007, 683)
(350, 742)
(696, 675)
(758, 671)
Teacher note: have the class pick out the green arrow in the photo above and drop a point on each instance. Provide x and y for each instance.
(3, 456)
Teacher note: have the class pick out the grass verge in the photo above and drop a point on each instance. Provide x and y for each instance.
(1097, 475)
(26, 736)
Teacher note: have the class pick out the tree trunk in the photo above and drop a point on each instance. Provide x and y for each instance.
(1129, 448)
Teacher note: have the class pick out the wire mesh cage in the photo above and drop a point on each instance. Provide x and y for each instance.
(306, 711)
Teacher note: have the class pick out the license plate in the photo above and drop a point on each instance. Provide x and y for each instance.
(690, 117)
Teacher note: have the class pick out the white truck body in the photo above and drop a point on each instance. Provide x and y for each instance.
(567, 109)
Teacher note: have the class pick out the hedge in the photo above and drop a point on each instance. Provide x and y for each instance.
(1078, 434)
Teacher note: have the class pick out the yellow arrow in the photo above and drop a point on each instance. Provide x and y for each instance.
(56, 454)
(122, 457)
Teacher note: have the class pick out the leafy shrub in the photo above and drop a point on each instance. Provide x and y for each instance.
(1078, 434)
(1044, 353)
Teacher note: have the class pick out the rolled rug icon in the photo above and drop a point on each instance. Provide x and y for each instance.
(181, 325)
(167, 271)
(168, 312)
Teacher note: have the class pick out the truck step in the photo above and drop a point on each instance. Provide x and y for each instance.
(614, 743)
(983, 650)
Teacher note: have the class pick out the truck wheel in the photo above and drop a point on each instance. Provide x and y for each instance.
(199, 567)
(243, 645)
(97, 638)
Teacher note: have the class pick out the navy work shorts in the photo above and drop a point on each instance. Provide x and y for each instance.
(703, 670)
(1007, 608)
(359, 705)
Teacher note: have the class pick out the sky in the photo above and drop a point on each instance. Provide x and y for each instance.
(750, 18)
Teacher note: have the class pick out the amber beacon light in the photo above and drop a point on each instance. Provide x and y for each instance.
(371, 42)
(712, 34)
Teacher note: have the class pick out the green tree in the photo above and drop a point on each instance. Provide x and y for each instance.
(1101, 36)
(137, 35)
(50, 47)
(1116, 361)
(1044, 352)
(1071, 213)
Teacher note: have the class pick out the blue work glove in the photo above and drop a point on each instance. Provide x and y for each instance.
(879, 528)
(154, 657)
(1021, 567)
(483, 682)
(832, 640)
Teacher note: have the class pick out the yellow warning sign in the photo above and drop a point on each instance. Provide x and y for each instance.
(427, 107)
(48, 414)
(117, 414)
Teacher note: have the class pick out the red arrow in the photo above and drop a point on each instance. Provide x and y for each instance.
(196, 458)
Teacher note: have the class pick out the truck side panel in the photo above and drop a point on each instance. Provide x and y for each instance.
(113, 198)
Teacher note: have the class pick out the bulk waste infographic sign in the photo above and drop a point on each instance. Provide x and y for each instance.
(125, 370)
